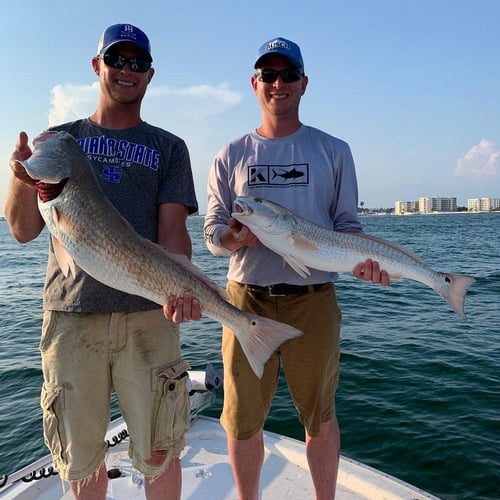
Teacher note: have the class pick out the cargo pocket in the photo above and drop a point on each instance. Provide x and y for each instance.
(52, 403)
(172, 419)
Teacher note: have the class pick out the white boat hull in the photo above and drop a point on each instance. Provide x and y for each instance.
(206, 471)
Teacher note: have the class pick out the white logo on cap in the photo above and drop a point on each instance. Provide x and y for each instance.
(128, 32)
(278, 44)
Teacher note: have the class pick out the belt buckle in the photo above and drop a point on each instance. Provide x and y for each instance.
(272, 294)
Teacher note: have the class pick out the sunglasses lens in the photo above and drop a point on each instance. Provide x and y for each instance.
(268, 76)
(271, 75)
(114, 60)
(290, 75)
(136, 64)
(139, 65)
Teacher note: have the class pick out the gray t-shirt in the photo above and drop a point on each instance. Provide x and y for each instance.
(138, 169)
(309, 172)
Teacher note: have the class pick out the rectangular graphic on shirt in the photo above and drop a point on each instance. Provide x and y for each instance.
(278, 175)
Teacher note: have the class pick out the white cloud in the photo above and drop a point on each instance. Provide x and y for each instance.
(481, 160)
(70, 102)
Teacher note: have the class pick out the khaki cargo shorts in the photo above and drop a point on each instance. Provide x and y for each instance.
(310, 362)
(87, 356)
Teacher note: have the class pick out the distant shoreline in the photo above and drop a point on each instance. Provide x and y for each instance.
(378, 213)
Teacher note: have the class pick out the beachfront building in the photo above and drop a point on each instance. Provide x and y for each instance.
(425, 205)
(483, 204)
(405, 207)
(428, 205)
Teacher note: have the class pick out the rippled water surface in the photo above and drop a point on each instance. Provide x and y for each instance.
(419, 389)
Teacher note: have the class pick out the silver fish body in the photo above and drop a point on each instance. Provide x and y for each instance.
(88, 231)
(305, 245)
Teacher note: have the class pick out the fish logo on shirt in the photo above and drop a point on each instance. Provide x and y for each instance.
(278, 175)
(291, 174)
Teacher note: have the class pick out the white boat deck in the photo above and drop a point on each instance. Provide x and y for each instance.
(206, 472)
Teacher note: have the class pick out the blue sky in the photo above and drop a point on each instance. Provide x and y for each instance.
(413, 86)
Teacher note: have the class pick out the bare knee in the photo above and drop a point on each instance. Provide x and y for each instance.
(157, 458)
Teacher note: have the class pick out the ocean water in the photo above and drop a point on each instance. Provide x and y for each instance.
(419, 394)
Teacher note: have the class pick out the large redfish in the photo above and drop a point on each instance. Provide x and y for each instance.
(88, 231)
(305, 245)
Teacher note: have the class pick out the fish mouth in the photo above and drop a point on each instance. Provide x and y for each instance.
(44, 136)
(48, 192)
(241, 208)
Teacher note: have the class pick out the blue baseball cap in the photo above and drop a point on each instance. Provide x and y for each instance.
(283, 47)
(118, 33)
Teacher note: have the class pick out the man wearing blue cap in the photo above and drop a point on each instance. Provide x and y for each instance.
(96, 339)
(312, 174)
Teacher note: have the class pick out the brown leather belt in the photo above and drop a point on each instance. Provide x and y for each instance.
(283, 289)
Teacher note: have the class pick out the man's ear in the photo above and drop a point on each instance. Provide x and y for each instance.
(150, 74)
(304, 84)
(95, 65)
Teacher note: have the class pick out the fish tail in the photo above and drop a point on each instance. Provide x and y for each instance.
(455, 290)
(260, 337)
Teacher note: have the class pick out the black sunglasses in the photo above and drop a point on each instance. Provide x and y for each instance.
(137, 64)
(287, 75)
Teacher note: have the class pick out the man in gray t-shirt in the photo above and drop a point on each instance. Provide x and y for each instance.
(96, 339)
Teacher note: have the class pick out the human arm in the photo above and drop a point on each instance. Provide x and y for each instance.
(223, 234)
(173, 236)
(21, 205)
(172, 229)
